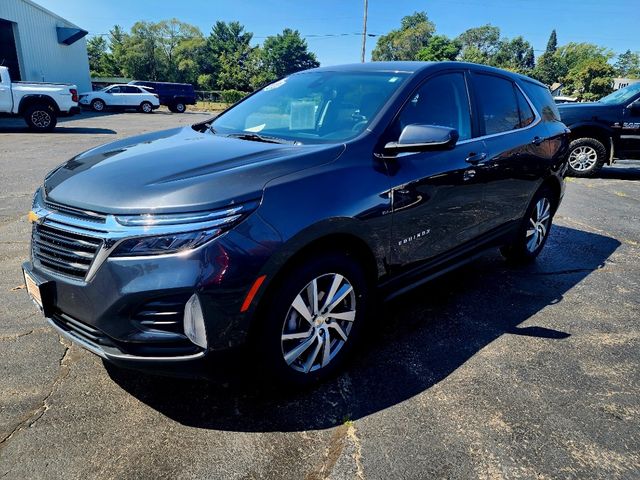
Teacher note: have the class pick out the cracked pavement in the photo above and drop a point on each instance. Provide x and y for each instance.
(489, 372)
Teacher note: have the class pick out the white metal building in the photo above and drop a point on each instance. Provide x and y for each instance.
(38, 45)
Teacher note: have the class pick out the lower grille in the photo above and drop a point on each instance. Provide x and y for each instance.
(81, 330)
(64, 252)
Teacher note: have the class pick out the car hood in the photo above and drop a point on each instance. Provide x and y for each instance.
(177, 170)
(582, 111)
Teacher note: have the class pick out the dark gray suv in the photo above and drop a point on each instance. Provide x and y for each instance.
(276, 224)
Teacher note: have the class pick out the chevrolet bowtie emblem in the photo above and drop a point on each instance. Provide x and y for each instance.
(32, 217)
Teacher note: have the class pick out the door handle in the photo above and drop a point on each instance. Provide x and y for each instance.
(537, 140)
(475, 158)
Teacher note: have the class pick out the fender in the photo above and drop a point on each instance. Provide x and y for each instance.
(606, 133)
(333, 229)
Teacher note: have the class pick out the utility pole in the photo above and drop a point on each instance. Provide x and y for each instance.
(364, 31)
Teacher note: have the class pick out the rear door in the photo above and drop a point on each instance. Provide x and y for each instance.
(436, 196)
(133, 95)
(517, 148)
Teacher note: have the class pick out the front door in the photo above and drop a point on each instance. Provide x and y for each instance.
(630, 133)
(6, 99)
(436, 195)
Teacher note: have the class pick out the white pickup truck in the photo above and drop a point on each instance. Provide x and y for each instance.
(40, 104)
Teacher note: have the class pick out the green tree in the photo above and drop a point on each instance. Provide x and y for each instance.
(226, 41)
(628, 64)
(286, 53)
(141, 56)
(97, 51)
(592, 79)
(172, 35)
(480, 44)
(552, 44)
(439, 48)
(515, 55)
(405, 43)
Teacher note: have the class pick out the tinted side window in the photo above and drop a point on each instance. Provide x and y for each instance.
(526, 114)
(497, 102)
(440, 101)
(115, 90)
(543, 101)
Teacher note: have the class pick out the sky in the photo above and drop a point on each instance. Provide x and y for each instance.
(614, 24)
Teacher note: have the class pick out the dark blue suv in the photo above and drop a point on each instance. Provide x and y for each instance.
(175, 96)
(278, 224)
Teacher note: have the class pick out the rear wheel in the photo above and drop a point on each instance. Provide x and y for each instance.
(41, 118)
(146, 107)
(586, 157)
(179, 107)
(534, 231)
(313, 320)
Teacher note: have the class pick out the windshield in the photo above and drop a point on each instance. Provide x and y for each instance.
(623, 95)
(312, 107)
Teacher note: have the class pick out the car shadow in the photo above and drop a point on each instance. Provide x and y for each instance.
(418, 340)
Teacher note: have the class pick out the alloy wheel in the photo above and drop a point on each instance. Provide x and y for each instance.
(318, 322)
(41, 119)
(98, 105)
(538, 224)
(146, 107)
(583, 158)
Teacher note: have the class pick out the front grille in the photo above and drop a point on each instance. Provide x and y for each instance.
(64, 252)
(76, 212)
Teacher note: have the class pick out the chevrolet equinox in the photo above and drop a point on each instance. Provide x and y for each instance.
(277, 224)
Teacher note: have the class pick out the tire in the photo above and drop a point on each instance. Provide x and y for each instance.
(98, 105)
(146, 107)
(534, 231)
(179, 107)
(586, 157)
(300, 360)
(41, 118)
(172, 109)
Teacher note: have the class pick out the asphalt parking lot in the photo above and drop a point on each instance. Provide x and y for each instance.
(489, 372)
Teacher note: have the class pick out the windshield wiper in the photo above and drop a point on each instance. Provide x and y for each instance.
(254, 137)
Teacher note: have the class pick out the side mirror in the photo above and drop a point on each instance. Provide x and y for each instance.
(422, 138)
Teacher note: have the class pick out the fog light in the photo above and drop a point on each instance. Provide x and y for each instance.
(194, 322)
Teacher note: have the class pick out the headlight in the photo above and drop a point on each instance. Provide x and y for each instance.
(156, 234)
(161, 244)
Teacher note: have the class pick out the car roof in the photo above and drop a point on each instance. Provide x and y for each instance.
(412, 67)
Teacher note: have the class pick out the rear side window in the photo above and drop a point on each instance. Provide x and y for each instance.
(526, 114)
(543, 101)
(441, 101)
(497, 103)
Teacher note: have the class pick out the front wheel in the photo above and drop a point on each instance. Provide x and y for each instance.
(534, 231)
(41, 118)
(586, 157)
(146, 107)
(98, 105)
(313, 320)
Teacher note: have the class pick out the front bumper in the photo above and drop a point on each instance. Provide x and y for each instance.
(108, 313)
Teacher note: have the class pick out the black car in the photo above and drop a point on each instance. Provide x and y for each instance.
(175, 96)
(603, 131)
(278, 223)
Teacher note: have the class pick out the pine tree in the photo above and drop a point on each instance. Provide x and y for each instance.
(552, 44)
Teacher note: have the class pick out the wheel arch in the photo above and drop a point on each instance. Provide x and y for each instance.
(593, 130)
(309, 243)
(30, 100)
(554, 184)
